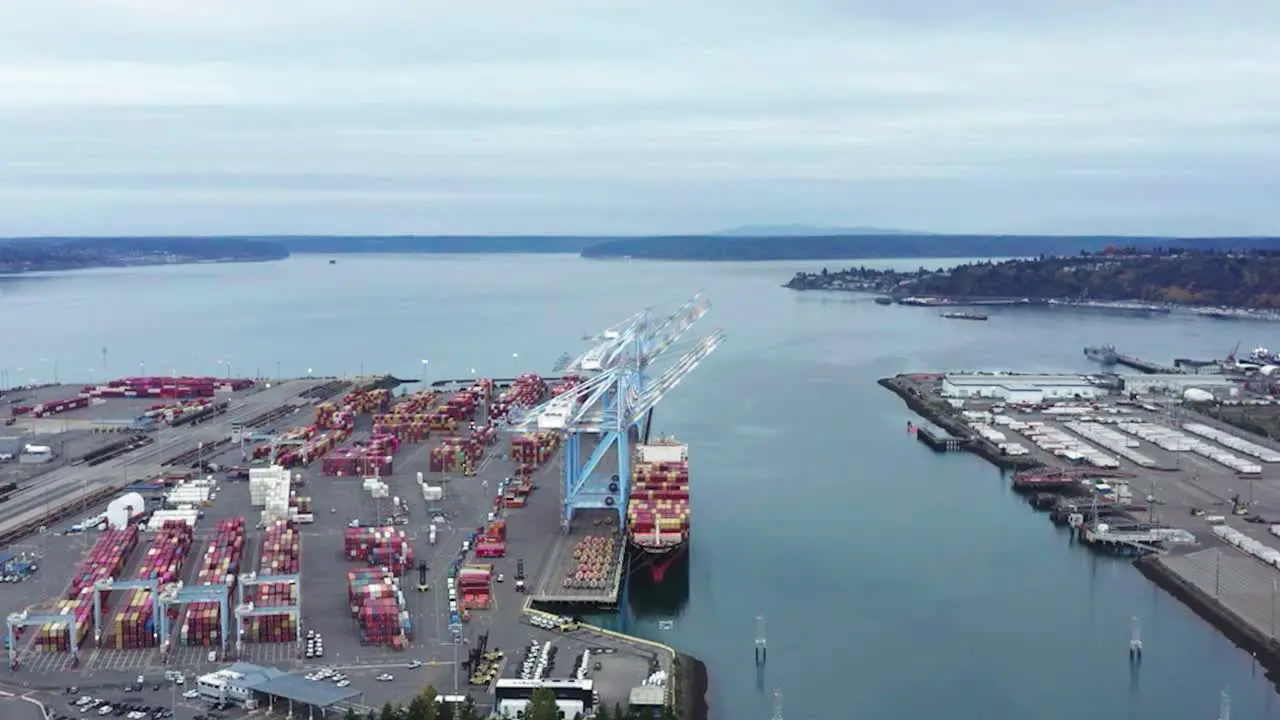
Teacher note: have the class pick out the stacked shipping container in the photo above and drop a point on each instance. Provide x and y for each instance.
(220, 566)
(342, 414)
(456, 454)
(281, 555)
(525, 391)
(135, 624)
(492, 543)
(475, 586)
(374, 458)
(107, 559)
(384, 546)
(54, 407)
(459, 408)
(658, 507)
(565, 384)
(174, 388)
(408, 419)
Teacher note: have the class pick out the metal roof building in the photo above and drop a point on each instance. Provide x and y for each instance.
(245, 682)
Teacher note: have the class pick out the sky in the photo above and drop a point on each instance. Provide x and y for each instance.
(616, 117)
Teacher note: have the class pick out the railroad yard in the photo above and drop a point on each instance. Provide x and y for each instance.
(1138, 476)
(370, 480)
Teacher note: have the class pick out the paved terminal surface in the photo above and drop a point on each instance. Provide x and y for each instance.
(1185, 488)
(532, 534)
(68, 482)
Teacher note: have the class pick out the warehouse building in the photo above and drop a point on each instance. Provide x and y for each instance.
(575, 698)
(1219, 385)
(1027, 389)
(254, 686)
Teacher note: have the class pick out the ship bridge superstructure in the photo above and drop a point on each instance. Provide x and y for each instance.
(627, 370)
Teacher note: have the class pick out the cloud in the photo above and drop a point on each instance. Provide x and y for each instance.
(491, 116)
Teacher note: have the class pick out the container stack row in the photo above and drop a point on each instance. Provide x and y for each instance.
(475, 586)
(493, 541)
(173, 388)
(316, 448)
(385, 621)
(342, 414)
(220, 566)
(55, 407)
(173, 411)
(135, 624)
(374, 458)
(107, 559)
(525, 391)
(300, 434)
(408, 419)
(456, 454)
(658, 506)
(369, 584)
(595, 560)
(281, 555)
(459, 408)
(386, 547)
(530, 451)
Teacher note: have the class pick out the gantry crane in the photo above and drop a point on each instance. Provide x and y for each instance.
(617, 396)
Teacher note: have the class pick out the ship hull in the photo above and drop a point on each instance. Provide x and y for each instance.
(656, 562)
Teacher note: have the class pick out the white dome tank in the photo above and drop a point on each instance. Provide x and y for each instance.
(125, 508)
(1197, 395)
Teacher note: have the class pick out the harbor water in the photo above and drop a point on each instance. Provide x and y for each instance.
(895, 583)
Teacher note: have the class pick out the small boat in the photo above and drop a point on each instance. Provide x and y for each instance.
(884, 301)
(333, 262)
(964, 315)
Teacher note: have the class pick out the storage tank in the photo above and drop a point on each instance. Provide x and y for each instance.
(124, 508)
(1197, 395)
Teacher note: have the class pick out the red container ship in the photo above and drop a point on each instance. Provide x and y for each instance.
(658, 507)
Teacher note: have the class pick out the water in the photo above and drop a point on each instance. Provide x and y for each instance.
(896, 583)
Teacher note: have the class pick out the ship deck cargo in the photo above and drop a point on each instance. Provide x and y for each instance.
(658, 504)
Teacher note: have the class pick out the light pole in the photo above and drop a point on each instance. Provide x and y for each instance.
(142, 369)
(309, 372)
(515, 362)
(425, 363)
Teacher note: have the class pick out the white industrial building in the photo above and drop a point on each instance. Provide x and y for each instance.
(1029, 389)
(1218, 385)
(575, 698)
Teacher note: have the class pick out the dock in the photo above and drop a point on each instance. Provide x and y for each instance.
(534, 543)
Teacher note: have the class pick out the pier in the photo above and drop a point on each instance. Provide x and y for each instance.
(1146, 366)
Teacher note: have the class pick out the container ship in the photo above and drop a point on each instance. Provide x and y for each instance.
(658, 506)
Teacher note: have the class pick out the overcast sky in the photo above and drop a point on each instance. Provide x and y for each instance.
(638, 116)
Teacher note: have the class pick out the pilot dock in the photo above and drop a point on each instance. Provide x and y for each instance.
(441, 528)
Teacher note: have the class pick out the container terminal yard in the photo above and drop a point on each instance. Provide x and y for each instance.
(1131, 467)
(334, 543)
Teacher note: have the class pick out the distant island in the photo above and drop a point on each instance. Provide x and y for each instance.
(890, 245)
(745, 244)
(1170, 276)
(24, 255)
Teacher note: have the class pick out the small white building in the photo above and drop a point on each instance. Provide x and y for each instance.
(1029, 389)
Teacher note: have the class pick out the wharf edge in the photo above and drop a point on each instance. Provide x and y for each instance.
(1265, 650)
(687, 693)
(985, 450)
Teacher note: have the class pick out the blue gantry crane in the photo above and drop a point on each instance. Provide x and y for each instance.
(613, 405)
